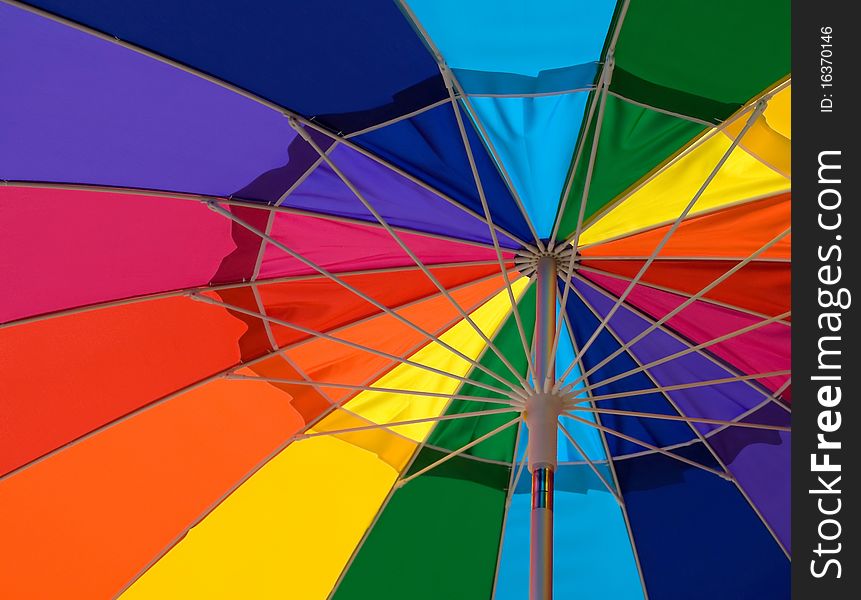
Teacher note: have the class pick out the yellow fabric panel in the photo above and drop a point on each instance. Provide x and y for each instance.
(388, 447)
(389, 407)
(286, 533)
(779, 112)
(290, 529)
(742, 177)
(769, 139)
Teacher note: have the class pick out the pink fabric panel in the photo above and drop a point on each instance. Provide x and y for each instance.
(61, 249)
(759, 351)
(339, 246)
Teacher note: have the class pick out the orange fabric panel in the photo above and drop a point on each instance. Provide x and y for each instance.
(733, 232)
(306, 400)
(63, 377)
(760, 286)
(82, 523)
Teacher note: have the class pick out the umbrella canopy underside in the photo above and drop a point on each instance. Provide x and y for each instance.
(271, 304)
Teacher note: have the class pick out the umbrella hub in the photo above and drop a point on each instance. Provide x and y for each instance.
(526, 260)
(541, 414)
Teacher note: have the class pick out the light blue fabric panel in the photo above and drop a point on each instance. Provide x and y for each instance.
(516, 36)
(534, 138)
(592, 555)
(587, 437)
(515, 48)
(593, 558)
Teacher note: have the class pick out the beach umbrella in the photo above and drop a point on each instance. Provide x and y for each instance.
(380, 299)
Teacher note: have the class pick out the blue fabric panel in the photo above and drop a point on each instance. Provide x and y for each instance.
(761, 462)
(349, 64)
(653, 431)
(696, 535)
(534, 139)
(429, 146)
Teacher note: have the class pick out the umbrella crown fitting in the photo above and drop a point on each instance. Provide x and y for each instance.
(527, 261)
(541, 414)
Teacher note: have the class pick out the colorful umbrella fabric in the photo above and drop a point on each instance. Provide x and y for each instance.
(273, 306)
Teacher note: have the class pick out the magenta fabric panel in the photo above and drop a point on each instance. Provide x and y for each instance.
(339, 247)
(726, 401)
(63, 248)
(762, 350)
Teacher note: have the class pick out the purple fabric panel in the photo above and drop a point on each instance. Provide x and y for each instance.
(722, 401)
(400, 201)
(272, 184)
(760, 461)
(79, 109)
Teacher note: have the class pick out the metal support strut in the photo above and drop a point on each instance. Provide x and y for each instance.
(542, 411)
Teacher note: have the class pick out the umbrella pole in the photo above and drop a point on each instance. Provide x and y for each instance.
(541, 538)
(542, 411)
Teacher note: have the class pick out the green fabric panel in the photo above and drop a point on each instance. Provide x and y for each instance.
(438, 536)
(452, 435)
(702, 59)
(634, 140)
(673, 100)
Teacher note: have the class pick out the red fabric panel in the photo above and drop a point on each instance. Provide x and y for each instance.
(760, 287)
